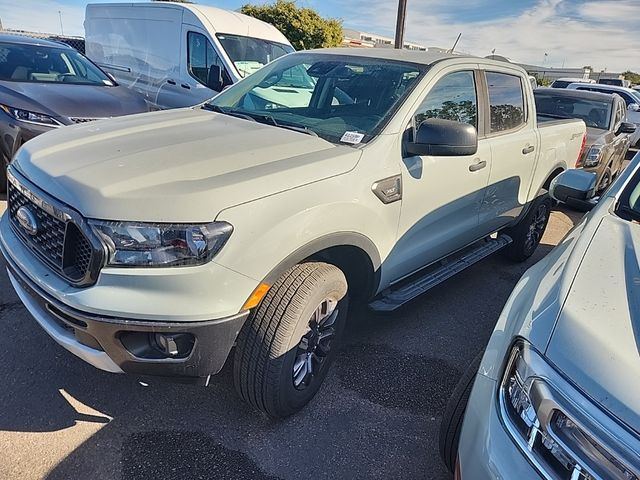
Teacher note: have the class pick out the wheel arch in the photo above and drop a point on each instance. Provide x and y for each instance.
(353, 253)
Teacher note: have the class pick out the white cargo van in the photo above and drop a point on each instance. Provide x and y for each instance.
(178, 55)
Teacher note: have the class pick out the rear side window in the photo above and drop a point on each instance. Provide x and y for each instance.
(452, 98)
(201, 56)
(506, 101)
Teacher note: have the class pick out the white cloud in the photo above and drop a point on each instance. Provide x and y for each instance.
(596, 33)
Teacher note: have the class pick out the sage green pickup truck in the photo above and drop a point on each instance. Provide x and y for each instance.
(164, 243)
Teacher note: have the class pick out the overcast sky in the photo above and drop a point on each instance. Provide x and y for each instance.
(601, 33)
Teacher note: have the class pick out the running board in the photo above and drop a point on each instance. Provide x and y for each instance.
(419, 283)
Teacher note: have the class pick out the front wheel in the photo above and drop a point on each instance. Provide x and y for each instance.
(451, 425)
(285, 348)
(527, 233)
(3, 175)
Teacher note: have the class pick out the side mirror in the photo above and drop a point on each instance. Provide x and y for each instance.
(214, 78)
(439, 137)
(112, 78)
(576, 188)
(626, 127)
(633, 107)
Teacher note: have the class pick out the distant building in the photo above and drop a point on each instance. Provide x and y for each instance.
(551, 73)
(355, 38)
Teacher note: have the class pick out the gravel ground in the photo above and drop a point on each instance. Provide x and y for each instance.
(377, 416)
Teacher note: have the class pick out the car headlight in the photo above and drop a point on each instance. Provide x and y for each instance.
(561, 431)
(161, 245)
(31, 117)
(594, 156)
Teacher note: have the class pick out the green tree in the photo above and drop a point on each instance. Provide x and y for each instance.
(304, 27)
(633, 77)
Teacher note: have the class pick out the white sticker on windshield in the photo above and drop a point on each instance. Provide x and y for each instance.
(352, 137)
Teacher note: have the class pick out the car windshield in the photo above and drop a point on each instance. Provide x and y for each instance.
(628, 206)
(250, 54)
(44, 64)
(337, 97)
(595, 113)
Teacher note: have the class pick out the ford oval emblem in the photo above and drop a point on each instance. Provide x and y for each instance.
(27, 220)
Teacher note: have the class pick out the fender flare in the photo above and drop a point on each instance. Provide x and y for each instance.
(353, 239)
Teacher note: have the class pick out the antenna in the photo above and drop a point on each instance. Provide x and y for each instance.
(455, 43)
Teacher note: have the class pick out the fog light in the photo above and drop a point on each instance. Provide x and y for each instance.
(174, 345)
(158, 346)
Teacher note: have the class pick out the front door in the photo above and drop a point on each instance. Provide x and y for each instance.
(441, 196)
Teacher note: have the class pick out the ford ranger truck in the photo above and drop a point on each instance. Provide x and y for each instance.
(160, 244)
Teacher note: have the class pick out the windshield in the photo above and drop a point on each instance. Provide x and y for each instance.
(44, 64)
(250, 54)
(628, 206)
(595, 113)
(337, 97)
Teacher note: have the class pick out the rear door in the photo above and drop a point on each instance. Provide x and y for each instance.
(514, 142)
(441, 196)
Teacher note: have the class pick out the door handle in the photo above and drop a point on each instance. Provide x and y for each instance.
(171, 82)
(477, 166)
(184, 85)
(528, 149)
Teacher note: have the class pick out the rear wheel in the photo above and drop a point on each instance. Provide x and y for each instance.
(605, 181)
(286, 347)
(527, 233)
(451, 425)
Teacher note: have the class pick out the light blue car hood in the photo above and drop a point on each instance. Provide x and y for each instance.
(596, 342)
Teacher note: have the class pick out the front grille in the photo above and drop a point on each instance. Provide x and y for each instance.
(58, 239)
(49, 240)
(83, 120)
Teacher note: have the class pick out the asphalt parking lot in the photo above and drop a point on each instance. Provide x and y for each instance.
(376, 417)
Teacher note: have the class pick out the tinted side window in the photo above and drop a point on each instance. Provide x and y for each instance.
(200, 56)
(506, 101)
(453, 97)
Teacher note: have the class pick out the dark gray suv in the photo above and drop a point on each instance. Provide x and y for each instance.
(45, 85)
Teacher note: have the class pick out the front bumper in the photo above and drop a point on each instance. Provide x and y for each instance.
(101, 341)
(486, 451)
(112, 324)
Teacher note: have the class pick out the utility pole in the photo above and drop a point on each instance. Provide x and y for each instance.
(402, 13)
(61, 29)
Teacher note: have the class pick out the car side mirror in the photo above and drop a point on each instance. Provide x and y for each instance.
(440, 137)
(633, 107)
(576, 188)
(214, 78)
(626, 127)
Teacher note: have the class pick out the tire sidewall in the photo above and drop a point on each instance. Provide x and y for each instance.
(290, 398)
(545, 203)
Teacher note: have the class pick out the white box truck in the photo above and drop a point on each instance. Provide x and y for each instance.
(178, 55)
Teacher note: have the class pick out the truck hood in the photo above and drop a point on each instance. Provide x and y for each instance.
(175, 166)
(596, 342)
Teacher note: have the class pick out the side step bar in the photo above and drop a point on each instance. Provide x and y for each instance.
(419, 283)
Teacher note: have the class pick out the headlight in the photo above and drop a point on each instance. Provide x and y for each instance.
(594, 156)
(31, 117)
(562, 432)
(161, 245)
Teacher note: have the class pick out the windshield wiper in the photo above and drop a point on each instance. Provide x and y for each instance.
(226, 111)
(272, 121)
